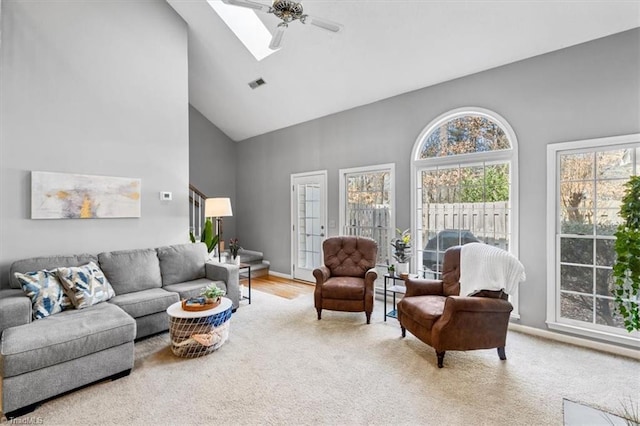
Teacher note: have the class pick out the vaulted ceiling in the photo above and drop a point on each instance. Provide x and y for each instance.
(387, 47)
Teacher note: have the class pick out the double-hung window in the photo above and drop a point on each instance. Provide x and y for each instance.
(367, 204)
(585, 188)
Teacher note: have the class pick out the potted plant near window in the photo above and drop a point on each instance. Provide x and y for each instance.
(402, 251)
(391, 269)
(234, 248)
(626, 270)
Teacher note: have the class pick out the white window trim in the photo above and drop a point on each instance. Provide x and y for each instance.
(391, 168)
(511, 155)
(553, 306)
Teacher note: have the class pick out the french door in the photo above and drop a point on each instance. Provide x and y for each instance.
(308, 222)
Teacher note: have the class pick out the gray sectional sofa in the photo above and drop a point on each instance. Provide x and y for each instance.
(43, 358)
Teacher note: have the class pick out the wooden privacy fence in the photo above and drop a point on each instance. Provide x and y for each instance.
(372, 222)
(487, 221)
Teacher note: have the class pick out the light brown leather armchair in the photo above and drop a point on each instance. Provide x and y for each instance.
(345, 281)
(433, 311)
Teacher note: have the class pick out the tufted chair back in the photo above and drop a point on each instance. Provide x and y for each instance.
(349, 256)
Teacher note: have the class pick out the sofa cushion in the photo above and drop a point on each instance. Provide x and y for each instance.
(193, 288)
(68, 335)
(47, 262)
(131, 270)
(86, 285)
(345, 288)
(45, 291)
(145, 302)
(425, 310)
(182, 262)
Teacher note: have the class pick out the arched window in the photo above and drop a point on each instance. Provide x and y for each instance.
(465, 180)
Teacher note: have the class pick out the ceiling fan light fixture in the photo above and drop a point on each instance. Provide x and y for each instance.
(287, 11)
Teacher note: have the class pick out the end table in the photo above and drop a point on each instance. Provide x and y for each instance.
(393, 289)
(245, 267)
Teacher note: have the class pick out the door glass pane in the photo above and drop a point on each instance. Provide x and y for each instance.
(309, 226)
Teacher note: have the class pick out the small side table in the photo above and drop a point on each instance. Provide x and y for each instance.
(194, 334)
(247, 267)
(393, 289)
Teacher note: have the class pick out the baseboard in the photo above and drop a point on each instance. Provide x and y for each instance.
(279, 274)
(577, 341)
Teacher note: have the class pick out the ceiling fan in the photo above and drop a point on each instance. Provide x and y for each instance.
(288, 11)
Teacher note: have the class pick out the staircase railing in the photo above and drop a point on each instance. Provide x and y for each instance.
(196, 210)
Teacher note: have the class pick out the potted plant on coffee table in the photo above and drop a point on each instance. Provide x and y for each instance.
(213, 294)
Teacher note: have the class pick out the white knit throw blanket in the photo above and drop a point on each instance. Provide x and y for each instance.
(484, 267)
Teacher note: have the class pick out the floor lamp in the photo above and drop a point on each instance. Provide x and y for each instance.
(218, 208)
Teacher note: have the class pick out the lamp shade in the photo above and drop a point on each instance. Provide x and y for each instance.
(217, 207)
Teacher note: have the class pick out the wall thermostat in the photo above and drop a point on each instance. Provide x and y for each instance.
(165, 196)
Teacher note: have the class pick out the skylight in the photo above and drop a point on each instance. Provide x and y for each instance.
(246, 25)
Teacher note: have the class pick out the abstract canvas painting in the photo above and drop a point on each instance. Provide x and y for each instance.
(73, 196)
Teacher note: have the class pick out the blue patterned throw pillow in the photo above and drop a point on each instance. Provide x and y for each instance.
(45, 291)
(86, 285)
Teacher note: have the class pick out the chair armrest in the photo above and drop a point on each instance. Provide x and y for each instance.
(459, 311)
(15, 309)
(471, 323)
(476, 304)
(423, 287)
(321, 274)
(228, 273)
(371, 276)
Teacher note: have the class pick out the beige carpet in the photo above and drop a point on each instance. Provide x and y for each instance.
(282, 366)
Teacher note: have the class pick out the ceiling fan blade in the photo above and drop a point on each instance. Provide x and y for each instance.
(249, 4)
(276, 41)
(322, 23)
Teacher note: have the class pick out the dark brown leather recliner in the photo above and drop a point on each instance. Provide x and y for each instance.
(433, 311)
(345, 281)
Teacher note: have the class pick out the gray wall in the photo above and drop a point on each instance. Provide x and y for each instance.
(586, 91)
(212, 164)
(93, 88)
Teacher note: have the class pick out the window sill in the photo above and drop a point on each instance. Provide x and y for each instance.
(633, 339)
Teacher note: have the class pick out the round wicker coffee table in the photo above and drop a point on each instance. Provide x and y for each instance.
(195, 334)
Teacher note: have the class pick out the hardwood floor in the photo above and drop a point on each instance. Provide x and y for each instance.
(283, 287)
